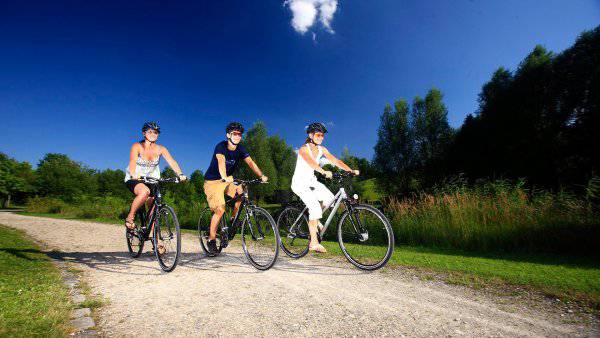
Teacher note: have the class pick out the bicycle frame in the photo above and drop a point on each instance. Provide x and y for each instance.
(149, 218)
(337, 200)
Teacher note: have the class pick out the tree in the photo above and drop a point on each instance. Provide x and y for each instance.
(111, 183)
(284, 161)
(257, 143)
(15, 179)
(394, 149)
(59, 176)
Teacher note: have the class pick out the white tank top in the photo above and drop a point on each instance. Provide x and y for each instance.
(304, 174)
(148, 168)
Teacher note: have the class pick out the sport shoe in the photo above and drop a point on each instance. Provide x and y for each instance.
(212, 247)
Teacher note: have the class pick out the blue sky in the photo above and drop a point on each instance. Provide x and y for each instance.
(80, 78)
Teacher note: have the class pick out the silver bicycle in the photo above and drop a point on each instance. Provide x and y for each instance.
(364, 233)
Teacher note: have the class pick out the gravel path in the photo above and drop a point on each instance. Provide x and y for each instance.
(309, 297)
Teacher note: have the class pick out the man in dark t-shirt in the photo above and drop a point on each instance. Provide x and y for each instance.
(218, 179)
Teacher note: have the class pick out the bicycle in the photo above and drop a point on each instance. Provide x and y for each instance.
(364, 234)
(159, 225)
(260, 238)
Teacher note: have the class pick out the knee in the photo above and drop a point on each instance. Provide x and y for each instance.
(219, 211)
(145, 193)
(314, 212)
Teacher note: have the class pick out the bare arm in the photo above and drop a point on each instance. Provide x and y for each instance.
(222, 167)
(165, 153)
(253, 166)
(133, 155)
(335, 161)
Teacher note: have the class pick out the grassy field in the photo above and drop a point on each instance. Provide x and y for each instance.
(33, 299)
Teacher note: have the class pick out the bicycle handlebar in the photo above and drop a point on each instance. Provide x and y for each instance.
(246, 182)
(153, 180)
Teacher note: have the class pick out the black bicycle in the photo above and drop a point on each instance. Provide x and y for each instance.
(159, 225)
(260, 238)
(364, 233)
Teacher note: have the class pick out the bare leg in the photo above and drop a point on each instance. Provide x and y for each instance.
(141, 195)
(314, 241)
(214, 222)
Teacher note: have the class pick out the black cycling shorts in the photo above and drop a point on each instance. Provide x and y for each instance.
(131, 184)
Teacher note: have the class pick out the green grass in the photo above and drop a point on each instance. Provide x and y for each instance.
(33, 299)
(562, 276)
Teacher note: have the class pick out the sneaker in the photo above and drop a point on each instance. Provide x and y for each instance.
(212, 247)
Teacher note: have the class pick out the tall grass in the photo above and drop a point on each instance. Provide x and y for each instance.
(109, 208)
(496, 216)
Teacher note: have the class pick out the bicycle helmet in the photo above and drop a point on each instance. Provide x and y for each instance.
(234, 126)
(316, 127)
(150, 125)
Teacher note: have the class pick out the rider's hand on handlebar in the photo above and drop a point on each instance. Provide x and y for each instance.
(355, 172)
(182, 178)
(135, 177)
(264, 178)
(328, 174)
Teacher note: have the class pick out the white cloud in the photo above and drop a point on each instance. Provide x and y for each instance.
(304, 13)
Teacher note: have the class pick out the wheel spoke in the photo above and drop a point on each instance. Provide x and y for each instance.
(366, 237)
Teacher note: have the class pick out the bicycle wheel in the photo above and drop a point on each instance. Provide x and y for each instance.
(135, 241)
(167, 237)
(365, 237)
(203, 230)
(260, 238)
(293, 231)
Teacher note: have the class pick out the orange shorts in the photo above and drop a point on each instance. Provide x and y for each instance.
(215, 191)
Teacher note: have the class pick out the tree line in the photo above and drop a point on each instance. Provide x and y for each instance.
(539, 123)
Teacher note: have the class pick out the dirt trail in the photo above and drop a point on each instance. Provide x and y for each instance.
(226, 296)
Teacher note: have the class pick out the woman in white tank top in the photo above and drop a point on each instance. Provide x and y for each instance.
(143, 161)
(304, 181)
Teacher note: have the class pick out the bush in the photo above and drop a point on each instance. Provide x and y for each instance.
(496, 216)
(45, 205)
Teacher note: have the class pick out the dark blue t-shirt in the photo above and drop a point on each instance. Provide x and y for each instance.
(232, 158)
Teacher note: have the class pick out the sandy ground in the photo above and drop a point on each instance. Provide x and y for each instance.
(226, 296)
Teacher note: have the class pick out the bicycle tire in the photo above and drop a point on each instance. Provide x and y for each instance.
(288, 237)
(203, 230)
(352, 240)
(166, 230)
(135, 241)
(256, 235)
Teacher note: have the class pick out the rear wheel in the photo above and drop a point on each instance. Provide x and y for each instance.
(293, 230)
(203, 230)
(135, 240)
(260, 238)
(167, 238)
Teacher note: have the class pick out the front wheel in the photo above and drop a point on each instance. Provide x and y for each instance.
(260, 238)
(167, 238)
(365, 236)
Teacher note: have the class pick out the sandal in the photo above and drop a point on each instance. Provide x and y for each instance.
(317, 248)
(161, 249)
(129, 224)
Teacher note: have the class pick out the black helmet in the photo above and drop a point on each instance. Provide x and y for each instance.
(316, 127)
(150, 125)
(234, 126)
